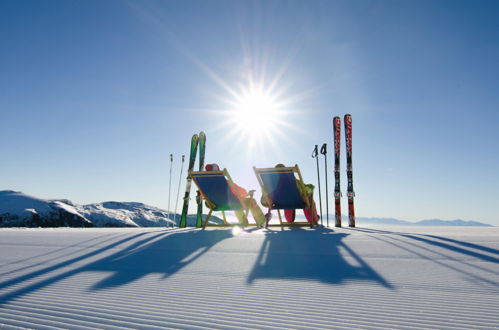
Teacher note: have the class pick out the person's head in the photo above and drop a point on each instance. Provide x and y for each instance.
(279, 165)
(212, 167)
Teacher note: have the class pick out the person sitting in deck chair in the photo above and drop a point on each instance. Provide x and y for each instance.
(306, 190)
(247, 199)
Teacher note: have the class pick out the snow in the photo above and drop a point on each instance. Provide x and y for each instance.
(122, 214)
(17, 203)
(18, 209)
(398, 277)
(68, 208)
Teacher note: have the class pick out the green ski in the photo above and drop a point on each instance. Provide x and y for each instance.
(192, 159)
(202, 148)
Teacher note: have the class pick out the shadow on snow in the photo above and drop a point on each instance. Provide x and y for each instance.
(421, 244)
(137, 256)
(317, 254)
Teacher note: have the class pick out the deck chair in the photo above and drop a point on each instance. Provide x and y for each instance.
(215, 189)
(280, 192)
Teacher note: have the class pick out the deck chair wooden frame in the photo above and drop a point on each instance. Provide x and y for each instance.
(212, 206)
(267, 197)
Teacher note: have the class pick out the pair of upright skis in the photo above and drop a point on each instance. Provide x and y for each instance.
(337, 190)
(196, 141)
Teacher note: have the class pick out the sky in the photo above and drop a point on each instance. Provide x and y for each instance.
(95, 96)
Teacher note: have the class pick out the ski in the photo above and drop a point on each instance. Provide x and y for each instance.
(192, 159)
(337, 188)
(350, 192)
(202, 148)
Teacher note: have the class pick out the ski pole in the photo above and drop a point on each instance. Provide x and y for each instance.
(170, 185)
(315, 154)
(324, 152)
(178, 189)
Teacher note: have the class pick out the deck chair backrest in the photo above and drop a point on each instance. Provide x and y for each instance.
(215, 189)
(281, 186)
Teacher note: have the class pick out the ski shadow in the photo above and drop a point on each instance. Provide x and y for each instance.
(436, 249)
(461, 247)
(137, 256)
(311, 255)
(61, 253)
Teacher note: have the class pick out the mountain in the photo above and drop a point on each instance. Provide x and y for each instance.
(457, 222)
(126, 214)
(398, 222)
(20, 210)
(133, 214)
(372, 221)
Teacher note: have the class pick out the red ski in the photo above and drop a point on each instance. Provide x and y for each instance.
(337, 188)
(350, 192)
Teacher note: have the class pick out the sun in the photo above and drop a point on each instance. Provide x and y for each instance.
(255, 115)
(255, 112)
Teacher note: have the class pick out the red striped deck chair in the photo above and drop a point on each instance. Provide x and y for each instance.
(281, 192)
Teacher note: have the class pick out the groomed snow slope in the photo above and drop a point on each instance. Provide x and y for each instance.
(296, 278)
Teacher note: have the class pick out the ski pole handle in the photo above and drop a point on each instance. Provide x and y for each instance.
(324, 149)
(315, 153)
(183, 158)
(171, 157)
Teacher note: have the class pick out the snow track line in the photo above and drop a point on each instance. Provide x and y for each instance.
(434, 288)
(45, 261)
(398, 245)
(479, 308)
(95, 320)
(464, 261)
(190, 301)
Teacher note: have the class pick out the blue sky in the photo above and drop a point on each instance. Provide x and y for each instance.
(95, 95)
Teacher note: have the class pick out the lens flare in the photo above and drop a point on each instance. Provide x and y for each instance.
(257, 117)
(255, 113)
(236, 230)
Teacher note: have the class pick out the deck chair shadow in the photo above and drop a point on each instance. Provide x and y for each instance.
(283, 189)
(217, 189)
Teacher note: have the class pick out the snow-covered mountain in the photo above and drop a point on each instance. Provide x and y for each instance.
(20, 210)
(126, 214)
(432, 222)
(371, 221)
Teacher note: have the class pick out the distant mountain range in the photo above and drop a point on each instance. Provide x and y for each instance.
(367, 221)
(21, 210)
(429, 222)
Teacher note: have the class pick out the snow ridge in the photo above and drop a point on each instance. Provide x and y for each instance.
(126, 214)
(18, 209)
(21, 210)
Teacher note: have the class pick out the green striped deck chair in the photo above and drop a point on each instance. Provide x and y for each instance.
(215, 189)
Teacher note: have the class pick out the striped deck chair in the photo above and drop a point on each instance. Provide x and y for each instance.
(215, 189)
(280, 192)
